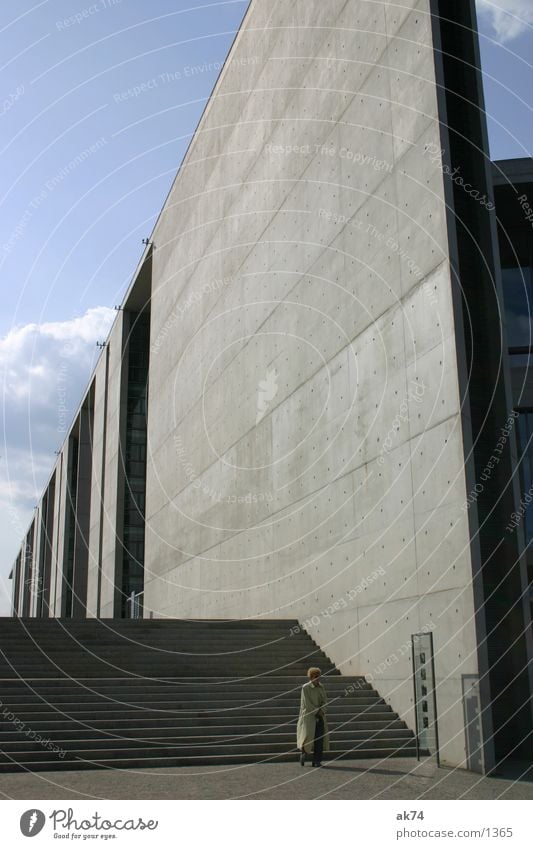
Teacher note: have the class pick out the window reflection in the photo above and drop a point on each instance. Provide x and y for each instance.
(518, 303)
(525, 449)
(518, 298)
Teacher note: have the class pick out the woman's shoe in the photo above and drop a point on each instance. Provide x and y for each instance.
(302, 758)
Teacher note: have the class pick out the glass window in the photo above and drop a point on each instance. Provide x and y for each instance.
(525, 449)
(518, 298)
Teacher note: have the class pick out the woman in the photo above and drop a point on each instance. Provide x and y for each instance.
(312, 730)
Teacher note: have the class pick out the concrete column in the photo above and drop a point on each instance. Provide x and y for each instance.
(47, 544)
(83, 510)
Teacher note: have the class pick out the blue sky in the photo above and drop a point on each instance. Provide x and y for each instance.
(99, 103)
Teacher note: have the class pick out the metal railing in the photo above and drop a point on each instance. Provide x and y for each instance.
(134, 606)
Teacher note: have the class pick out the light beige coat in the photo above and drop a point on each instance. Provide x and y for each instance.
(313, 699)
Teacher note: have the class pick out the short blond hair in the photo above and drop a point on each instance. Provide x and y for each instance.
(313, 672)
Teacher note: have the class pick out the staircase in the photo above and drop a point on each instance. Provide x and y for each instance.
(87, 693)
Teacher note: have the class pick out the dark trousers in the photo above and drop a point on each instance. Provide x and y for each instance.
(319, 740)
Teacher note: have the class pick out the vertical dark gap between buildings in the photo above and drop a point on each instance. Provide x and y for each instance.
(70, 527)
(130, 574)
(481, 378)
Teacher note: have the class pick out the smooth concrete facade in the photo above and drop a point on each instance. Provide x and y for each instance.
(106, 469)
(322, 208)
(308, 440)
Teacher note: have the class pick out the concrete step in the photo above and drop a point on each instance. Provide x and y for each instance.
(21, 692)
(192, 726)
(242, 695)
(169, 645)
(145, 694)
(221, 652)
(208, 699)
(166, 643)
(125, 713)
(250, 747)
(31, 623)
(215, 761)
(151, 670)
(129, 680)
(177, 708)
(62, 724)
(120, 718)
(333, 683)
(198, 736)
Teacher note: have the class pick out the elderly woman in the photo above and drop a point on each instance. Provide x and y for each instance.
(312, 730)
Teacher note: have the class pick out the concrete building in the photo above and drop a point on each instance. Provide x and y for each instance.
(312, 404)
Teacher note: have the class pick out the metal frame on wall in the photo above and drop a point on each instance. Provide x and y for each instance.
(425, 696)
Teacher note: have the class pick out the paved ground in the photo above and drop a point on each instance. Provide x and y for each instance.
(398, 778)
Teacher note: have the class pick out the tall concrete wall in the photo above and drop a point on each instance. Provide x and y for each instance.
(16, 585)
(98, 504)
(37, 577)
(305, 444)
(113, 464)
(83, 510)
(58, 533)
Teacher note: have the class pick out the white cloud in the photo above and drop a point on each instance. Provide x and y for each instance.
(21, 483)
(32, 356)
(508, 18)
